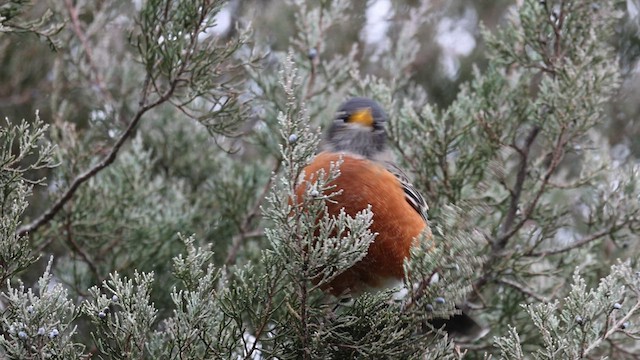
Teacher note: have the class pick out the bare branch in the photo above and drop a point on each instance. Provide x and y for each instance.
(93, 171)
(523, 289)
(593, 237)
(79, 250)
(506, 230)
(556, 157)
(143, 108)
(77, 29)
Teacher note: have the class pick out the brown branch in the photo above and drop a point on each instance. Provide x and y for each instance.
(93, 171)
(110, 158)
(265, 320)
(488, 129)
(444, 167)
(507, 228)
(557, 30)
(556, 157)
(577, 244)
(314, 59)
(523, 289)
(77, 29)
(418, 291)
(312, 77)
(237, 241)
(79, 250)
(615, 347)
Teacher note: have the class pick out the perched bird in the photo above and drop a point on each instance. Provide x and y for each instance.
(368, 176)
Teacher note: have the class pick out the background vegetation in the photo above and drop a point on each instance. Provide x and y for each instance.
(145, 207)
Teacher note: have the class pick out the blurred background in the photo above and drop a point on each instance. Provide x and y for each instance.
(450, 46)
(181, 173)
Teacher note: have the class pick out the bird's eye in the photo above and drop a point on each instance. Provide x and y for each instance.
(342, 115)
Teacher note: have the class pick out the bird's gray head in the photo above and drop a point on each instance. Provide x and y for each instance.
(358, 128)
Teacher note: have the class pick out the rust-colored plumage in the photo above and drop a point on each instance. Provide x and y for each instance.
(364, 182)
(357, 137)
(368, 176)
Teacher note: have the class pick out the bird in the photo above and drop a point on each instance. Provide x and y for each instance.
(357, 140)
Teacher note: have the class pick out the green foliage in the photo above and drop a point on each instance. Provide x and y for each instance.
(23, 151)
(166, 124)
(453, 256)
(184, 63)
(123, 316)
(43, 26)
(587, 317)
(38, 323)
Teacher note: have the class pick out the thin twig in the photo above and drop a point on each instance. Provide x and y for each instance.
(110, 158)
(312, 78)
(615, 328)
(237, 241)
(629, 354)
(79, 250)
(580, 243)
(523, 289)
(93, 171)
(505, 231)
(77, 29)
(557, 30)
(264, 320)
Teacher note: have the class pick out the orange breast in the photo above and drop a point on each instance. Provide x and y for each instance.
(365, 182)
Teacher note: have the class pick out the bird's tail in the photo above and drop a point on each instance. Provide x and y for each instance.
(461, 327)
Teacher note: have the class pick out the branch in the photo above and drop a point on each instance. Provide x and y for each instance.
(237, 241)
(93, 171)
(264, 319)
(556, 157)
(509, 228)
(143, 108)
(615, 328)
(79, 250)
(506, 231)
(523, 289)
(582, 242)
(77, 29)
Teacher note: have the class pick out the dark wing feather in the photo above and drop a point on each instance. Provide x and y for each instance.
(411, 194)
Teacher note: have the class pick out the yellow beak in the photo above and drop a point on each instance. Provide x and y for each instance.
(362, 116)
